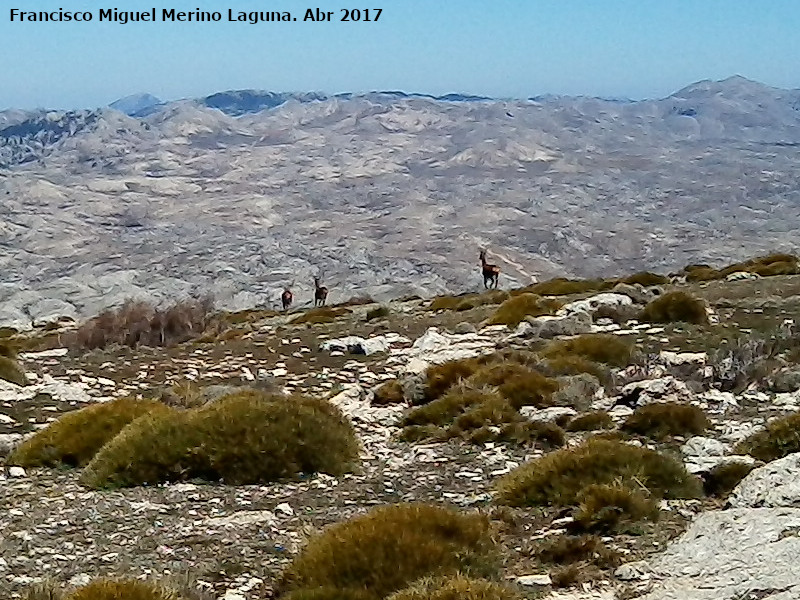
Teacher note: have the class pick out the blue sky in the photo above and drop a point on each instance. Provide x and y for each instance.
(505, 48)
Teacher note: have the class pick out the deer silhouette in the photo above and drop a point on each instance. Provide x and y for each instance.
(320, 293)
(491, 273)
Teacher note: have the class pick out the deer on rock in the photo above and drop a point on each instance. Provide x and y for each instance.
(491, 273)
(320, 293)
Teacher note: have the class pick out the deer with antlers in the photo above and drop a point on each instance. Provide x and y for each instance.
(320, 293)
(491, 273)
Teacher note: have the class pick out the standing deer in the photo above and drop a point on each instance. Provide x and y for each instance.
(320, 293)
(491, 273)
(286, 298)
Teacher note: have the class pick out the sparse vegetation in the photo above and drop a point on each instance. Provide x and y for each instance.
(456, 587)
(559, 478)
(780, 438)
(320, 315)
(597, 347)
(247, 437)
(391, 547)
(76, 437)
(591, 421)
(661, 420)
(142, 324)
(675, 307)
(515, 309)
(721, 480)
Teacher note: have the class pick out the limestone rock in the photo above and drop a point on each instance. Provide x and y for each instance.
(591, 304)
(549, 326)
(773, 485)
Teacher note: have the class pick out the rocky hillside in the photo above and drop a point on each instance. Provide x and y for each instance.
(453, 402)
(385, 194)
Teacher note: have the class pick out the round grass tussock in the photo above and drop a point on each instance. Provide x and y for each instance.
(390, 392)
(391, 547)
(598, 347)
(675, 307)
(572, 364)
(457, 587)
(246, 437)
(458, 400)
(518, 384)
(77, 436)
(720, 481)
(591, 421)
(515, 309)
(122, 589)
(780, 438)
(11, 371)
(558, 478)
(611, 508)
(646, 279)
(661, 420)
(440, 378)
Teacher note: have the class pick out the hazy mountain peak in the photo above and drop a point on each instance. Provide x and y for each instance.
(135, 104)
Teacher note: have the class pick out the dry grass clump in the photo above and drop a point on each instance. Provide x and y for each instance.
(591, 421)
(575, 364)
(390, 392)
(379, 312)
(564, 287)
(327, 593)
(661, 420)
(675, 307)
(391, 547)
(597, 347)
(122, 589)
(141, 324)
(611, 508)
(780, 438)
(646, 279)
(520, 385)
(457, 587)
(515, 309)
(464, 302)
(559, 478)
(77, 436)
(439, 378)
(720, 481)
(322, 314)
(570, 549)
(245, 437)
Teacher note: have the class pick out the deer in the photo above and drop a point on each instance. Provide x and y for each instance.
(286, 298)
(491, 273)
(320, 293)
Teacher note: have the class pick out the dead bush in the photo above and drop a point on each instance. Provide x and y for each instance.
(742, 362)
(391, 547)
(675, 307)
(515, 309)
(138, 323)
(661, 420)
(76, 437)
(558, 478)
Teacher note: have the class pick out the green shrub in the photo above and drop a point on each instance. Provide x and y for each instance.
(721, 480)
(591, 421)
(122, 589)
(379, 312)
(661, 420)
(11, 371)
(247, 437)
(515, 309)
(391, 547)
(646, 279)
(780, 438)
(675, 307)
(456, 587)
(597, 347)
(558, 478)
(609, 508)
(520, 385)
(322, 314)
(390, 392)
(77, 436)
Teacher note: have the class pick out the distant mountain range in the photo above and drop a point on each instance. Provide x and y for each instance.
(385, 193)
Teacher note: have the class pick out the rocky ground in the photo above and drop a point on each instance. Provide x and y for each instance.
(231, 541)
